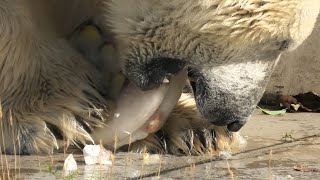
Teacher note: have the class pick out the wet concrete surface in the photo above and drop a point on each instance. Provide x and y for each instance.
(275, 145)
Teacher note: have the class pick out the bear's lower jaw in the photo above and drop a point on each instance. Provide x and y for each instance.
(139, 113)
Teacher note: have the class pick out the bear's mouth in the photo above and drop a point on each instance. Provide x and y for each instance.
(139, 113)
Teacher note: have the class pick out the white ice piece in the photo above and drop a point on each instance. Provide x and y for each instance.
(151, 159)
(96, 154)
(70, 165)
(165, 80)
(225, 155)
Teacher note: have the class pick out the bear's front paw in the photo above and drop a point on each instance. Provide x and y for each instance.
(151, 74)
(27, 138)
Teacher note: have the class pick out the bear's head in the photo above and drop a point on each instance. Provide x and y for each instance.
(230, 47)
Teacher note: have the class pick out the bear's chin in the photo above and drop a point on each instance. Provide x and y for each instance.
(139, 113)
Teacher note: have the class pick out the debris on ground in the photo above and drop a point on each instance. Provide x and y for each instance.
(310, 101)
(304, 102)
(305, 169)
(288, 137)
(288, 102)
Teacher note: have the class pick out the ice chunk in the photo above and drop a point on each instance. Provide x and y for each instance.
(151, 159)
(225, 155)
(96, 154)
(70, 165)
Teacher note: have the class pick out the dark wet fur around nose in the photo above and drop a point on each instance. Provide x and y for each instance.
(213, 104)
(149, 75)
(235, 126)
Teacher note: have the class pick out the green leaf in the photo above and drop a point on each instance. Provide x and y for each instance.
(274, 113)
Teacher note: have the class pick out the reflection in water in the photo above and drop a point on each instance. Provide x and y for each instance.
(97, 171)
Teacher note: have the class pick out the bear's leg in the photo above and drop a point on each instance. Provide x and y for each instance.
(48, 91)
(186, 133)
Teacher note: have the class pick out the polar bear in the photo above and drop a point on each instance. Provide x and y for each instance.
(50, 92)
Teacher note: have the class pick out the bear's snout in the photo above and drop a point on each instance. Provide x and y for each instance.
(219, 106)
(220, 115)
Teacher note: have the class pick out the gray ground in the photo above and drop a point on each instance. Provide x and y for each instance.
(265, 157)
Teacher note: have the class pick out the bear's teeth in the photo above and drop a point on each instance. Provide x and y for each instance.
(165, 81)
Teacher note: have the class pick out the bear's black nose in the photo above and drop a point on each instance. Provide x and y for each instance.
(235, 126)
